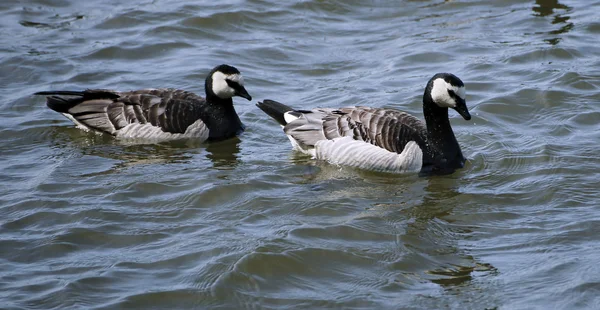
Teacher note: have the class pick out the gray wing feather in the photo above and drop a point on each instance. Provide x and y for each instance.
(172, 110)
(308, 128)
(93, 114)
(385, 128)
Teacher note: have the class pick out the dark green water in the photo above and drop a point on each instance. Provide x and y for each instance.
(90, 223)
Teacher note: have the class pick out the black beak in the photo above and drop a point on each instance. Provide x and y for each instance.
(461, 108)
(243, 93)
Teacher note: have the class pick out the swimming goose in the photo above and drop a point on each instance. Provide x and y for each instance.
(158, 114)
(379, 139)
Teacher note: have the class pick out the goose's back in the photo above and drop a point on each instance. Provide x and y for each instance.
(148, 113)
(172, 110)
(386, 128)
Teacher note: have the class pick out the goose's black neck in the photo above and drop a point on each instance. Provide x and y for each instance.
(443, 144)
(219, 115)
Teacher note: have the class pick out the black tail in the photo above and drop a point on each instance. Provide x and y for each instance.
(60, 92)
(62, 105)
(274, 109)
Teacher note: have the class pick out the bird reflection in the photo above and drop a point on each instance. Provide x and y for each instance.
(430, 233)
(545, 8)
(224, 154)
(128, 153)
(419, 210)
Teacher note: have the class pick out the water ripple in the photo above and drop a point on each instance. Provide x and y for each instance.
(89, 222)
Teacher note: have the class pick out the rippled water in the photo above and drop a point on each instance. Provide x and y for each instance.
(89, 223)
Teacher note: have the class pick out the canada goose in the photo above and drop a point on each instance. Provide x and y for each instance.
(158, 114)
(380, 139)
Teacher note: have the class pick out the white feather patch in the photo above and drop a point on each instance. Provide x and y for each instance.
(440, 95)
(349, 152)
(220, 86)
(76, 122)
(300, 147)
(288, 117)
(197, 130)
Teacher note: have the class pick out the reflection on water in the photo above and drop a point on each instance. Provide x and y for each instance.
(423, 207)
(224, 154)
(454, 275)
(431, 231)
(55, 25)
(247, 223)
(130, 153)
(547, 7)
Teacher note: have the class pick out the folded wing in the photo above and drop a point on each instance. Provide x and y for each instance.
(388, 129)
(143, 113)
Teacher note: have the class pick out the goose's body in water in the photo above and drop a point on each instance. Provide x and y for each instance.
(158, 114)
(378, 139)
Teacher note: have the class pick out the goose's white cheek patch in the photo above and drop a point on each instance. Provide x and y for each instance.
(220, 86)
(440, 95)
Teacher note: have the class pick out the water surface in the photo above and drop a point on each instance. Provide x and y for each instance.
(90, 223)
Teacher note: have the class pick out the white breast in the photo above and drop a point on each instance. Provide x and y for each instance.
(350, 152)
(197, 130)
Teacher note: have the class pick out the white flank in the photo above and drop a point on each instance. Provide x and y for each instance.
(349, 152)
(197, 130)
(440, 95)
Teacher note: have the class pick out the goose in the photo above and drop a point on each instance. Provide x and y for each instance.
(158, 114)
(381, 139)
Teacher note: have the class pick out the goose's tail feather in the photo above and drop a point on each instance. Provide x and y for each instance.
(62, 105)
(60, 92)
(275, 110)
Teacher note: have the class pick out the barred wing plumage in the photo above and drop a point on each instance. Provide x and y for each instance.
(171, 111)
(388, 129)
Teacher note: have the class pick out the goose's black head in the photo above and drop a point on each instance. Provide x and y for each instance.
(448, 91)
(225, 82)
